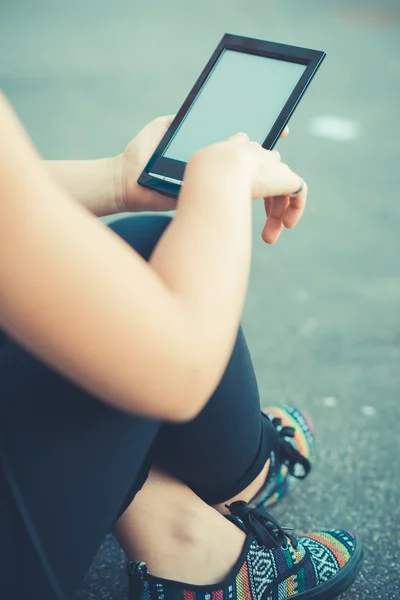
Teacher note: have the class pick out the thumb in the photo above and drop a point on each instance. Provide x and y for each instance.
(239, 137)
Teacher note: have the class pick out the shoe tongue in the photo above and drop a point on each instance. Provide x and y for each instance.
(249, 531)
(258, 523)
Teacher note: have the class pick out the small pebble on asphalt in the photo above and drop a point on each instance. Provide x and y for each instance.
(330, 401)
(368, 411)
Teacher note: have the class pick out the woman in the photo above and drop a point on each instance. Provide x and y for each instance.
(128, 397)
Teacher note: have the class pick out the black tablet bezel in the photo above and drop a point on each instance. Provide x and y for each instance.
(311, 58)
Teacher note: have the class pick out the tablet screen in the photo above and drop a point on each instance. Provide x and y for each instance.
(243, 93)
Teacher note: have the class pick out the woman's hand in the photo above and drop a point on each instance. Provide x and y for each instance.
(133, 197)
(130, 196)
(284, 192)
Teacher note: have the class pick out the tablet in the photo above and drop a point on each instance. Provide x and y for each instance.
(248, 85)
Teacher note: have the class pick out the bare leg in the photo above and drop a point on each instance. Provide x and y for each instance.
(177, 535)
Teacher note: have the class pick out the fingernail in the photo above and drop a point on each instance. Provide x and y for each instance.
(300, 189)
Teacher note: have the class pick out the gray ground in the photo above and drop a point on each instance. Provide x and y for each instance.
(322, 316)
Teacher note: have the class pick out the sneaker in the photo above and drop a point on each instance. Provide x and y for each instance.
(274, 565)
(291, 459)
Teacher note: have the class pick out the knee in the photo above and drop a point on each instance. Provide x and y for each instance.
(142, 232)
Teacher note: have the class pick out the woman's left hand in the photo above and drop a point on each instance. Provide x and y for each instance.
(130, 164)
(131, 196)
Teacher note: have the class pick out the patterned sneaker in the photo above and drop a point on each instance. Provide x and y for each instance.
(290, 461)
(274, 565)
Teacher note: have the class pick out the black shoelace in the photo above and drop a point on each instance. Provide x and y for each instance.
(265, 528)
(286, 453)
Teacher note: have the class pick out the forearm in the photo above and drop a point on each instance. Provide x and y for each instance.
(92, 183)
(205, 255)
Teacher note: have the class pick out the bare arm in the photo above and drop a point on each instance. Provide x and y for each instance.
(152, 339)
(92, 183)
(108, 186)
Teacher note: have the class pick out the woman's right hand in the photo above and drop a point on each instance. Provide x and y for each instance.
(269, 178)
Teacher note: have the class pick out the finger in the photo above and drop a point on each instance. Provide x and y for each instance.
(161, 124)
(270, 235)
(267, 205)
(239, 137)
(274, 224)
(168, 119)
(295, 208)
(285, 132)
(277, 154)
(285, 181)
(279, 205)
(271, 154)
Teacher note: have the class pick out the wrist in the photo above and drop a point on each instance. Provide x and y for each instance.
(118, 175)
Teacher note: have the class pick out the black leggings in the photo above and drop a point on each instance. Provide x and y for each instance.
(77, 463)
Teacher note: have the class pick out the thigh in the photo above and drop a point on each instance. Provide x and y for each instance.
(74, 459)
(142, 232)
(76, 462)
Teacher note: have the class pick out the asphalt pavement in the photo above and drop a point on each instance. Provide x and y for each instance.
(322, 316)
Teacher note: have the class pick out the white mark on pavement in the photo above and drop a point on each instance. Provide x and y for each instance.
(335, 128)
(308, 326)
(329, 401)
(368, 411)
(301, 295)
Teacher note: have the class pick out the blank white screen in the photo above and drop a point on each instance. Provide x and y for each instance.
(244, 93)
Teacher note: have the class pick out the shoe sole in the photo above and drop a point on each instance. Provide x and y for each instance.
(337, 584)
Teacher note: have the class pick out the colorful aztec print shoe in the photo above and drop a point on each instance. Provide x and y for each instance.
(274, 565)
(290, 461)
